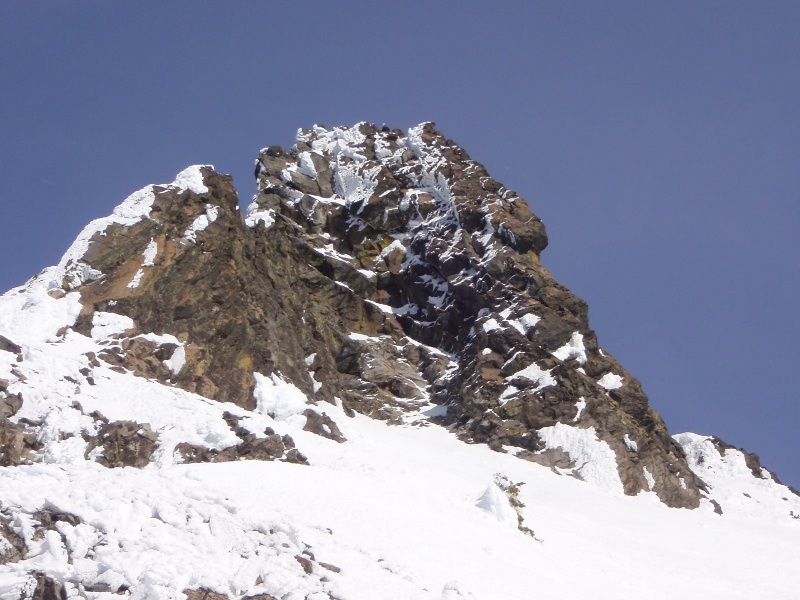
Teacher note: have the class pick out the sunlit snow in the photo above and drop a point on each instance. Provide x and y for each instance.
(610, 381)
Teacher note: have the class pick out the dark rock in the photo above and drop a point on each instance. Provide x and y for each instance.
(330, 567)
(47, 519)
(717, 507)
(271, 447)
(752, 461)
(204, 594)
(17, 442)
(297, 457)
(323, 425)
(268, 448)
(305, 563)
(9, 403)
(9, 346)
(17, 549)
(48, 589)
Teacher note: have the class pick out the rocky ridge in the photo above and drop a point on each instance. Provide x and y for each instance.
(381, 269)
(375, 271)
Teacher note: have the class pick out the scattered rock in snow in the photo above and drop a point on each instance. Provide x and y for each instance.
(323, 425)
(123, 444)
(9, 346)
(17, 443)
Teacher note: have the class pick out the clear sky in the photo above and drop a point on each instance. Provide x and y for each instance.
(658, 141)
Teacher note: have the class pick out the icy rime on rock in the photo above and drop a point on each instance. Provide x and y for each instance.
(386, 270)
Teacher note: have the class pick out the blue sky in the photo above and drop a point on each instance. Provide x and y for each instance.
(659, 142)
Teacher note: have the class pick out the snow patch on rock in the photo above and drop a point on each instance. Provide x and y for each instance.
(573, 348)
(610, 381)
(595, 461)
(541, 377)
(277, 398)
(105, 324)
(201, 223)
(133, 209)
(733, 484)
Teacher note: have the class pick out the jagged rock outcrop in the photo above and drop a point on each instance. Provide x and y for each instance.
(733, 476)
(751, 459)
(411, 225)
(382, 269)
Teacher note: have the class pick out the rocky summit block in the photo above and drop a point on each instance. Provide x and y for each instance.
(384, 270)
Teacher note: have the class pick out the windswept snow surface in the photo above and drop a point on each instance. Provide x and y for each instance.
(406, 512)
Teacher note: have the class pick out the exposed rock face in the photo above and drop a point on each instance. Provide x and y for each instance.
(382, 271)
(410, 225)
(9, 346)
(10, 403)
(386, 270)
(734, 475)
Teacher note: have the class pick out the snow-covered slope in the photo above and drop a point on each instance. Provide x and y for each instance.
(395, 512)
(134, 465)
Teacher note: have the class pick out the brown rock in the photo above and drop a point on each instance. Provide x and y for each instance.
(204, 594)
(124, 444)
(9, 346)
(9, 404)
(16, 550)
(17, 442)
(452, 313)
(48, 589)
(323, 425)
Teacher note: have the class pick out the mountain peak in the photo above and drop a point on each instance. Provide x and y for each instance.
(376, 273)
